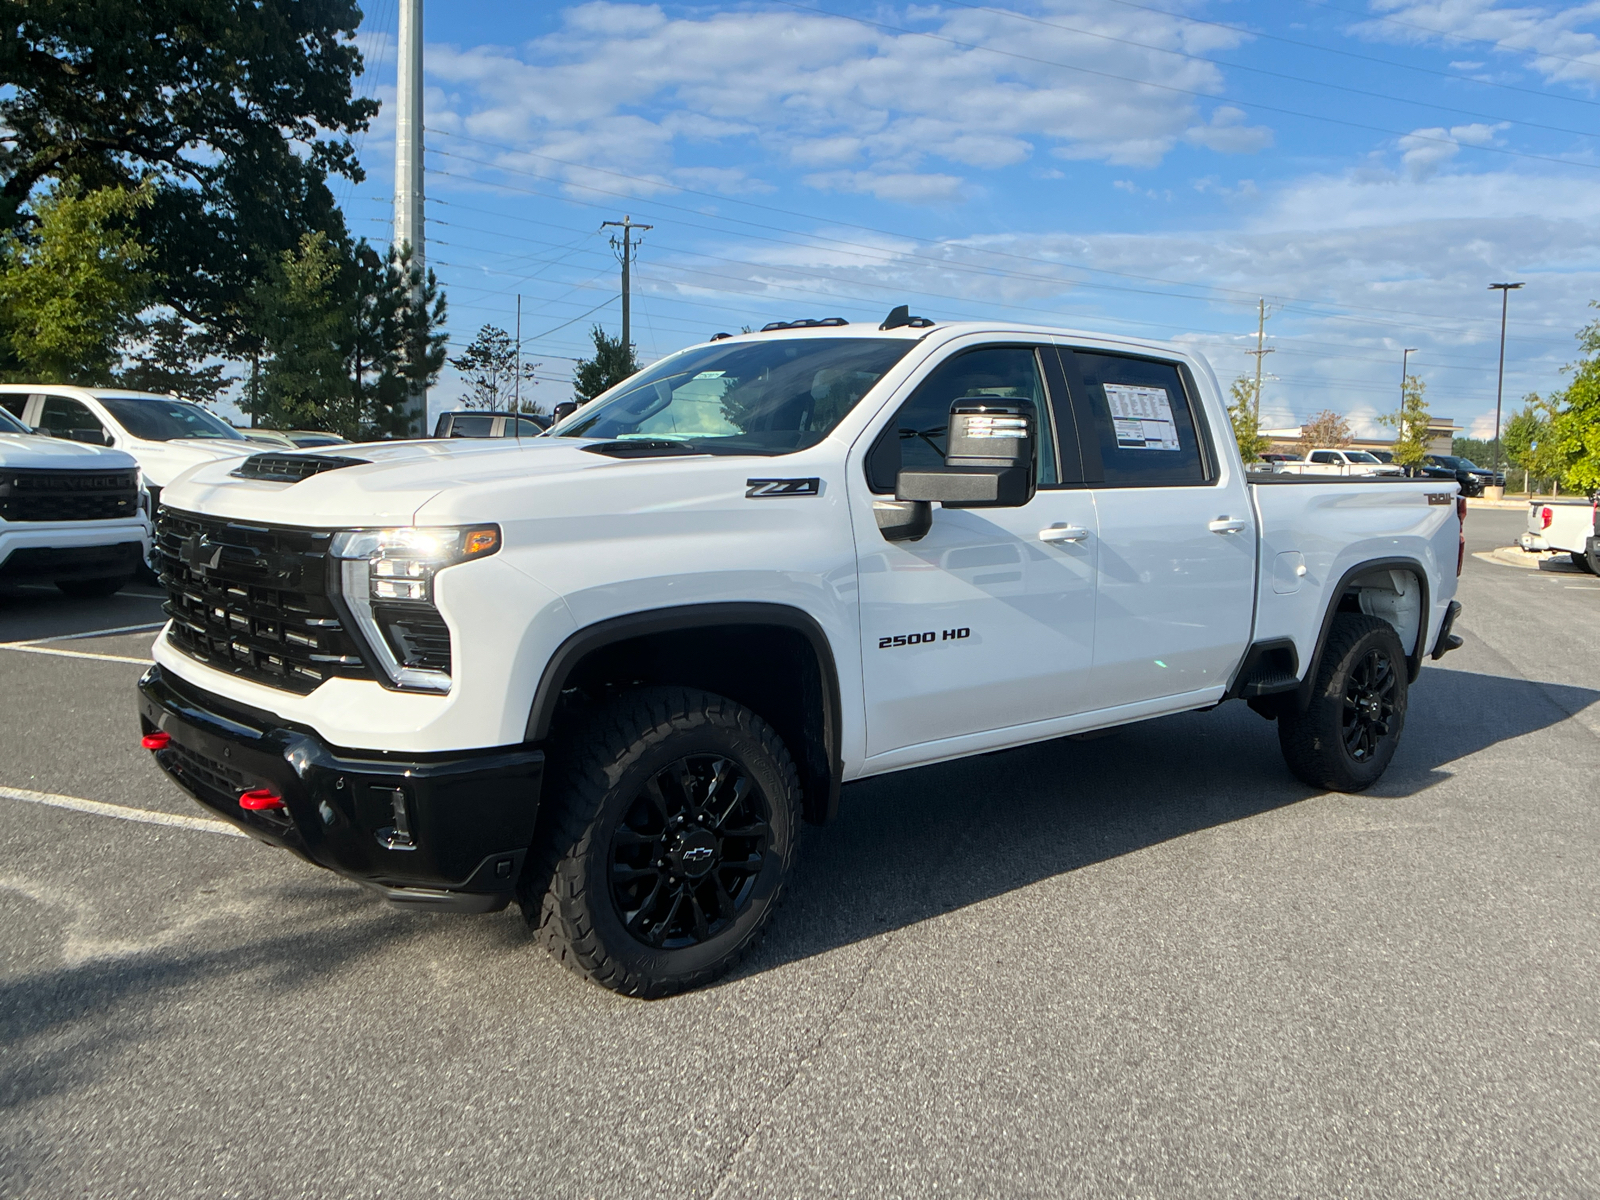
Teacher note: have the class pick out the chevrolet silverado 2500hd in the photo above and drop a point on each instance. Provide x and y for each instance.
(74, 516)
(607, 671)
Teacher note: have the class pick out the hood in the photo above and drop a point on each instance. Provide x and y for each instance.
(31, 450)
(388, 487)
(211, 449)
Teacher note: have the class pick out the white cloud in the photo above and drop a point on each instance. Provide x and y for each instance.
(1556, 45)
(627, 87)
(1424, 151)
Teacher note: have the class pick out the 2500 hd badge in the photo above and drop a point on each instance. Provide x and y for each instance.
(922, 639)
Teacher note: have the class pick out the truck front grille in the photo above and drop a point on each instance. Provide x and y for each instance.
(33, 495)
(254, 600)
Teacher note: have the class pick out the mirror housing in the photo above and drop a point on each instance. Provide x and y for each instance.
(562, 411)
(989, 462)
(903, 520)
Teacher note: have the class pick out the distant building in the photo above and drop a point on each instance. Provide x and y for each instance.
(1441, 436)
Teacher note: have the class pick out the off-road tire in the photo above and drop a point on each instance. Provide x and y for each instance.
(1587, 560)
(93, 589)
(1314, 741)
(601, 765)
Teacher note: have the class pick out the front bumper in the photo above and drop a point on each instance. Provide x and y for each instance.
(44, 551)
(464, 820)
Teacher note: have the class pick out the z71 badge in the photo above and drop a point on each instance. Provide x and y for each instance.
(762, 489)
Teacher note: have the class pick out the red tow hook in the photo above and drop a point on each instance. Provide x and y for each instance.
(260, 799)
(159, 740)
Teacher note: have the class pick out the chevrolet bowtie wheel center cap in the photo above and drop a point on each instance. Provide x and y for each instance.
(696, 852)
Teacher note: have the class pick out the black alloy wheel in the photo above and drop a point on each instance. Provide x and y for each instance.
(1350, 725)
(666, 833)
(1369, 704)
(685, 856)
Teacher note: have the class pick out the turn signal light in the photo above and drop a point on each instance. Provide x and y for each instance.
(158, 740)
(260, 799)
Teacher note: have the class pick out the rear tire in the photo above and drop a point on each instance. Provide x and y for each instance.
(93, 589)
(1344, 740)
(664, 841)
(1586, 560)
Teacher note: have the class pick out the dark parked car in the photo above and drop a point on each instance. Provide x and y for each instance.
(470, 424)
(1425, 471)
(1472, 478)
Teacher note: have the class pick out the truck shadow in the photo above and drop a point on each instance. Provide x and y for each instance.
(910, 846)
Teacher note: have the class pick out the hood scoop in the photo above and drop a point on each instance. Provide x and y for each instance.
(641, 448)
(291, 468)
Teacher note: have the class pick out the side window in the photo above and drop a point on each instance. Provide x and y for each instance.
(64, 418)
(471, 426)
(14, 403)
(1325, 456)
(918, 435)
(1141, 418)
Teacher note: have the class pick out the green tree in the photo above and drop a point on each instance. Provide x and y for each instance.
(1479, 450)
(1410, 423)
(612, 363)
(1246, 425)
(1526, 439)
(490, 366)
(305, 325)
(1574, 437)
(72, 286)
(169, 359)
(233, 113)
(417, 340)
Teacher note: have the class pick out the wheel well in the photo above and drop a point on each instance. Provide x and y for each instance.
(775, 670)
(1394, 590)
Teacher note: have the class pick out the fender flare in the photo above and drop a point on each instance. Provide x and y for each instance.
(590, 638)
(1302, 695)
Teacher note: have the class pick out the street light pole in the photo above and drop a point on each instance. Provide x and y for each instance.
(1505, 290)
(1405, 357)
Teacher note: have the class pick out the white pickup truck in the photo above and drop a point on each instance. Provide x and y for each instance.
(1565, 525)
(73, 516)
(608, 670)
(1339, 462)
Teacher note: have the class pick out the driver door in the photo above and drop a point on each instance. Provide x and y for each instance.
(988, 621)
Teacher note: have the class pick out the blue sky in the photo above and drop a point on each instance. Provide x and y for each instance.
(1147, 167)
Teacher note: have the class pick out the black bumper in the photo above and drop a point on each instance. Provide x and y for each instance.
(49, 563)
(1448, 641)
(469, 816)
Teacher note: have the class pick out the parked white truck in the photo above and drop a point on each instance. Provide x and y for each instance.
(73, 516)
(607, 671)
(1339, 462)
(1567, 526)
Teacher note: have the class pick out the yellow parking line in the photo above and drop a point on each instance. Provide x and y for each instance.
(121, 811)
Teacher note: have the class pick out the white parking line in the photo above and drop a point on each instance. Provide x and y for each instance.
(68, 637)
(121, 811)
(21, 649)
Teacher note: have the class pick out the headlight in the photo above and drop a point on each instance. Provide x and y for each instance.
(386, 579)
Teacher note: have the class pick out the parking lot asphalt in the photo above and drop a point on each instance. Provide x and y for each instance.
(1149, 964)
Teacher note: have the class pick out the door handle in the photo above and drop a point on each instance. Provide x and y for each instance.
(1228, 525)
(1063, 533)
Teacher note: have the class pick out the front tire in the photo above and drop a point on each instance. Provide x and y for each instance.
(1344, 740)
(664, 841)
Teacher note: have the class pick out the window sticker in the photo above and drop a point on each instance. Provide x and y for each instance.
(1142, 417)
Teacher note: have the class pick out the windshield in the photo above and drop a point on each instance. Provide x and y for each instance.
(164, 420)
(1444, 460)
(1468, 464)
(9, 424)
(1360, 456)
(768, 397)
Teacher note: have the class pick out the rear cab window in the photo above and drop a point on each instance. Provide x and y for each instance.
(1139, 415)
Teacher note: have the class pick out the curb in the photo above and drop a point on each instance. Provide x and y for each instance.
(1556, 562)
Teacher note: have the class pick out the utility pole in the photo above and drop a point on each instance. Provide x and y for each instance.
(1505, 290)
(1260, 352)
(408, 180)
(625, 253)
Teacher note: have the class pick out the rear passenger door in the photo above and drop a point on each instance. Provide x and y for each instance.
(1176, 581)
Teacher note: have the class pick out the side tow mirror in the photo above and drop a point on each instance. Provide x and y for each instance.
(989, 462)
(903, 520)
(562, 411)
